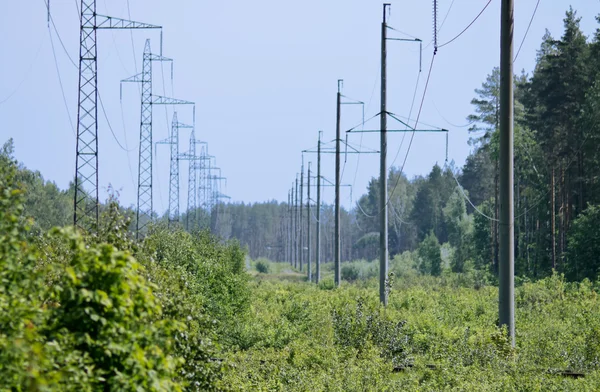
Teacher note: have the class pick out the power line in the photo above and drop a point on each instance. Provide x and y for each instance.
(60, 39)
(26, 76)
(398, 216)
(462, 191)
(60, 81)
(412, 105)
(413, 132)
(363, 211)
(444, 118)
(527, 31)
(442, 25)
(126, 146)
(131, 34)
(362, 127)
(468, 26)
(110, 126)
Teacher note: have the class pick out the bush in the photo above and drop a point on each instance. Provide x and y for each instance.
(263, 267)
(583, 259)
(95, 327)
(430, 258)
(350, 272)
(327, 284)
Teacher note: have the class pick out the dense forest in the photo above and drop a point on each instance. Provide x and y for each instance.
(209, 303)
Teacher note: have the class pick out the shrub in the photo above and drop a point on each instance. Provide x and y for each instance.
(327, 284)
(263, 266)
(583, 259)
(350, 272)
(430, 258)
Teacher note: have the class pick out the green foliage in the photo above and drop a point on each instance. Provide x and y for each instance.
(362, 328)
(350, 272)
(94, 327)
(106, 318)
(584, 246)
(263, 267)
(437, 333)
(430, 257)
(459, 228)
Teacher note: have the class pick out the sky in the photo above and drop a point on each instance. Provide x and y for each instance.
(263, 75)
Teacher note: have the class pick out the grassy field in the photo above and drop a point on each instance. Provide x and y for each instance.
(436, 334)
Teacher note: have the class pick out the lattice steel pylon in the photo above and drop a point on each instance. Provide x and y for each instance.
(215, 186)
(144, 196)
(173, 142)
(190, 156)
(174, 172)
(85, 213)
(192, 206)
(204, 186)
(192, 191)
(175, 158)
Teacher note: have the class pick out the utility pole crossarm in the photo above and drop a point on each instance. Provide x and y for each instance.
(109, 22)
(160, 100)
(188, 157)
(133, 79)
(399, 130)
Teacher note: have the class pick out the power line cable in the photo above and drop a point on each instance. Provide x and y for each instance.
(527, 31)
(413, 132)
(110, 126)
(412, 105)
(446, 120)
(468, 26)
(441, 25)
(60, 82)
(363, 125)
(126, 146)
(60, 39)
(464, 195)
(26, 75)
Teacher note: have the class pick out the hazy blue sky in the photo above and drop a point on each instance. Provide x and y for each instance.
(264, 77)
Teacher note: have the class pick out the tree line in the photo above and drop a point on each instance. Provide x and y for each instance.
(557, 188)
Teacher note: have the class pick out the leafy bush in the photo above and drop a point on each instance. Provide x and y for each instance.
(350, 272)
(430, 258)
(95, 327)
(263, 266)
(106, 317)
(583, 259)
(327, 284)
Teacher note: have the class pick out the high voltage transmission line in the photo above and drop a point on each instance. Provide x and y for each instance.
(145, 170)
(85, 214)
(86, 198)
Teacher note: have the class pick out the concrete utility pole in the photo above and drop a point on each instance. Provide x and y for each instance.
(507, 232)
(383, 228)
(337, 241)
(297, 256)
(301, 213)
(309, 273)
(318, 277)
(289, 231)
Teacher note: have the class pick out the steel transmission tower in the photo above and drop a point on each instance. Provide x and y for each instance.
(216, 193)
(144, 196)
(85, 214)
(203, 177)
(192, 198)
(174, 173)
(175, 157)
